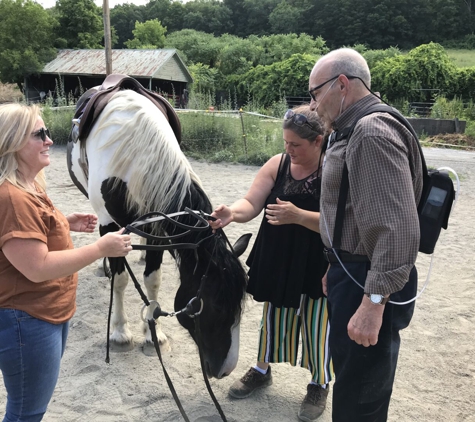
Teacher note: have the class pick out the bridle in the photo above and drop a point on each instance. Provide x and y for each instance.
(195, 306)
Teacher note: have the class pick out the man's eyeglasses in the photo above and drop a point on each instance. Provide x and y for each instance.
(43, 133)
(311, 92)
(297, 119)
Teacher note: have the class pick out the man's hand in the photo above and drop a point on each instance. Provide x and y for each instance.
(365, 324)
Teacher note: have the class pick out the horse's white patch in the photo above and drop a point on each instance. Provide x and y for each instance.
(233, 354)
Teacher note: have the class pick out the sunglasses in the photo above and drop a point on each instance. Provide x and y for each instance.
(311, 92)
(43, 133)
(297, 119)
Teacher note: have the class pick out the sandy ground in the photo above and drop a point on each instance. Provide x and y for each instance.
(435, 378)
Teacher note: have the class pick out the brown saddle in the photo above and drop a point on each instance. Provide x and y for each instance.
(94, 100)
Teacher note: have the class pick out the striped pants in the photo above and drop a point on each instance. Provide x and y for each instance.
(280, 333)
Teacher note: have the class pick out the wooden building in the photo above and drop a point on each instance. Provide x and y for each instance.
(73, 72)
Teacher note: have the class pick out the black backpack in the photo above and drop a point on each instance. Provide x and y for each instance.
(437, 197)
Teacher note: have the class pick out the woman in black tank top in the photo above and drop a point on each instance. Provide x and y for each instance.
(286, 262)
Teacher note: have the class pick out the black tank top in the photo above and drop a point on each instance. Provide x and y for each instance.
(287, 260)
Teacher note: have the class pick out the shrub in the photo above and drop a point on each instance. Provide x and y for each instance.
(410, 76)
(58, 121)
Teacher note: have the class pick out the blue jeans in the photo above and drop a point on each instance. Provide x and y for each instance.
(30, 356)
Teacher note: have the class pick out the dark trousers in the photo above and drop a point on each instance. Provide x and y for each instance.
(364, 375)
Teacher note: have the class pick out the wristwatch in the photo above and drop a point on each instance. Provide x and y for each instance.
(377, 299)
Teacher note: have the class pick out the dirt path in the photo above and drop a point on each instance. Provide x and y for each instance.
(435, 379)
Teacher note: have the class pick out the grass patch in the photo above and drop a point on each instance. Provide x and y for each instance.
(462, 58)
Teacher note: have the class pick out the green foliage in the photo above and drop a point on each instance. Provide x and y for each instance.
(204, 78)
(375, 56)
(150, 35)
(80, 23)
(239, 137)
(210, 16)
(123, 19)
(198, 47)
(267, 84)
(276, 48)
(26, 39)
(410, 76)
(470, 129)
(444, 108)
(466, 43)
(237, 55)
(58, 121)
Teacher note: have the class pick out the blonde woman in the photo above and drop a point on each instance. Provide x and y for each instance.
(38, 265)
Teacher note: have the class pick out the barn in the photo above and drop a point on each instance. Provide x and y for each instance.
(74, 71)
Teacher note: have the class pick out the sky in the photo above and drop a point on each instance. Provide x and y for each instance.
(112, 3)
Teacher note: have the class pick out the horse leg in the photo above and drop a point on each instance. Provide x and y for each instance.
(152, 281)
(121, 337)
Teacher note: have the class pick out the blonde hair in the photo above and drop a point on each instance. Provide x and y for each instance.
(17, 121)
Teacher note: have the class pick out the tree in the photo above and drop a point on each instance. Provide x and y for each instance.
(410, 76)
(198, 47)
(285, 19)
(268, 84)
(174, 18)
(276, 48)
(123, 18)
(210, 16)
(150, 34)
(80, 23)
(26, 40)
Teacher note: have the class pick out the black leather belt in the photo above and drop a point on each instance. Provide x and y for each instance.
(344, 256)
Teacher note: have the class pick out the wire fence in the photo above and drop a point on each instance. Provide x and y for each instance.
(215, 135)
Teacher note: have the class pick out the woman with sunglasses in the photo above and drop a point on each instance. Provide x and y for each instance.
(287, 263)
(38, 265)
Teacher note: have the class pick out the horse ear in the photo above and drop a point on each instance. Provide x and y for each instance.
(241, 244)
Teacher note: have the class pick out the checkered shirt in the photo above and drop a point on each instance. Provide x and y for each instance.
(385, 185)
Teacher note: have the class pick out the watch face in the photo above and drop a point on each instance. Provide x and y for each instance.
(376, 299)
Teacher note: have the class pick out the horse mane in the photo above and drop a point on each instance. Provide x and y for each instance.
(140, 123)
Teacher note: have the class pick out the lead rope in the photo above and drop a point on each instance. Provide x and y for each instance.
(208, 386)
(152, 325)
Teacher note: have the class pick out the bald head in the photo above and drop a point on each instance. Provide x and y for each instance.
(344, 61)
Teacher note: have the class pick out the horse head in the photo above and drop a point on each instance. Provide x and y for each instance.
(221, 286)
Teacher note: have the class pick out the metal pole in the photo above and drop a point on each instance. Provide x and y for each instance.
(107, 36)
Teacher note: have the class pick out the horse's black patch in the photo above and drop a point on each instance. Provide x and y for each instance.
(114, 193)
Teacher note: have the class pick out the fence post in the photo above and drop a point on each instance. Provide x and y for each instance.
(457, 125)
(243, 132)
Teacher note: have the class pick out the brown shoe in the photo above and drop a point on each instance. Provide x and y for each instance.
(250, 382)
(314, 403)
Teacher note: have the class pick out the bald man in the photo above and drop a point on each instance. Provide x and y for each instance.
(375, 239)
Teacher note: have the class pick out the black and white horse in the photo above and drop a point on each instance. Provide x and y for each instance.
(136, 166)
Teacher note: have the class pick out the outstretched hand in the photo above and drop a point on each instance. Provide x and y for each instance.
(79, 222)
(223, 215)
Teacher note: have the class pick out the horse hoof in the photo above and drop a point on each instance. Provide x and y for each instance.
(121, 347)
(149, 349)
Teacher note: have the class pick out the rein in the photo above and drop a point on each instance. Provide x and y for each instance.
(194, 307)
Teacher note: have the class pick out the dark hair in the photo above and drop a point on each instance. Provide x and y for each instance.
(309, 131)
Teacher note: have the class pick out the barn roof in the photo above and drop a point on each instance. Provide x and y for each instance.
(156, 64)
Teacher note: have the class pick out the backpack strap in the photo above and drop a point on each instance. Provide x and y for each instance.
(340, 210)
